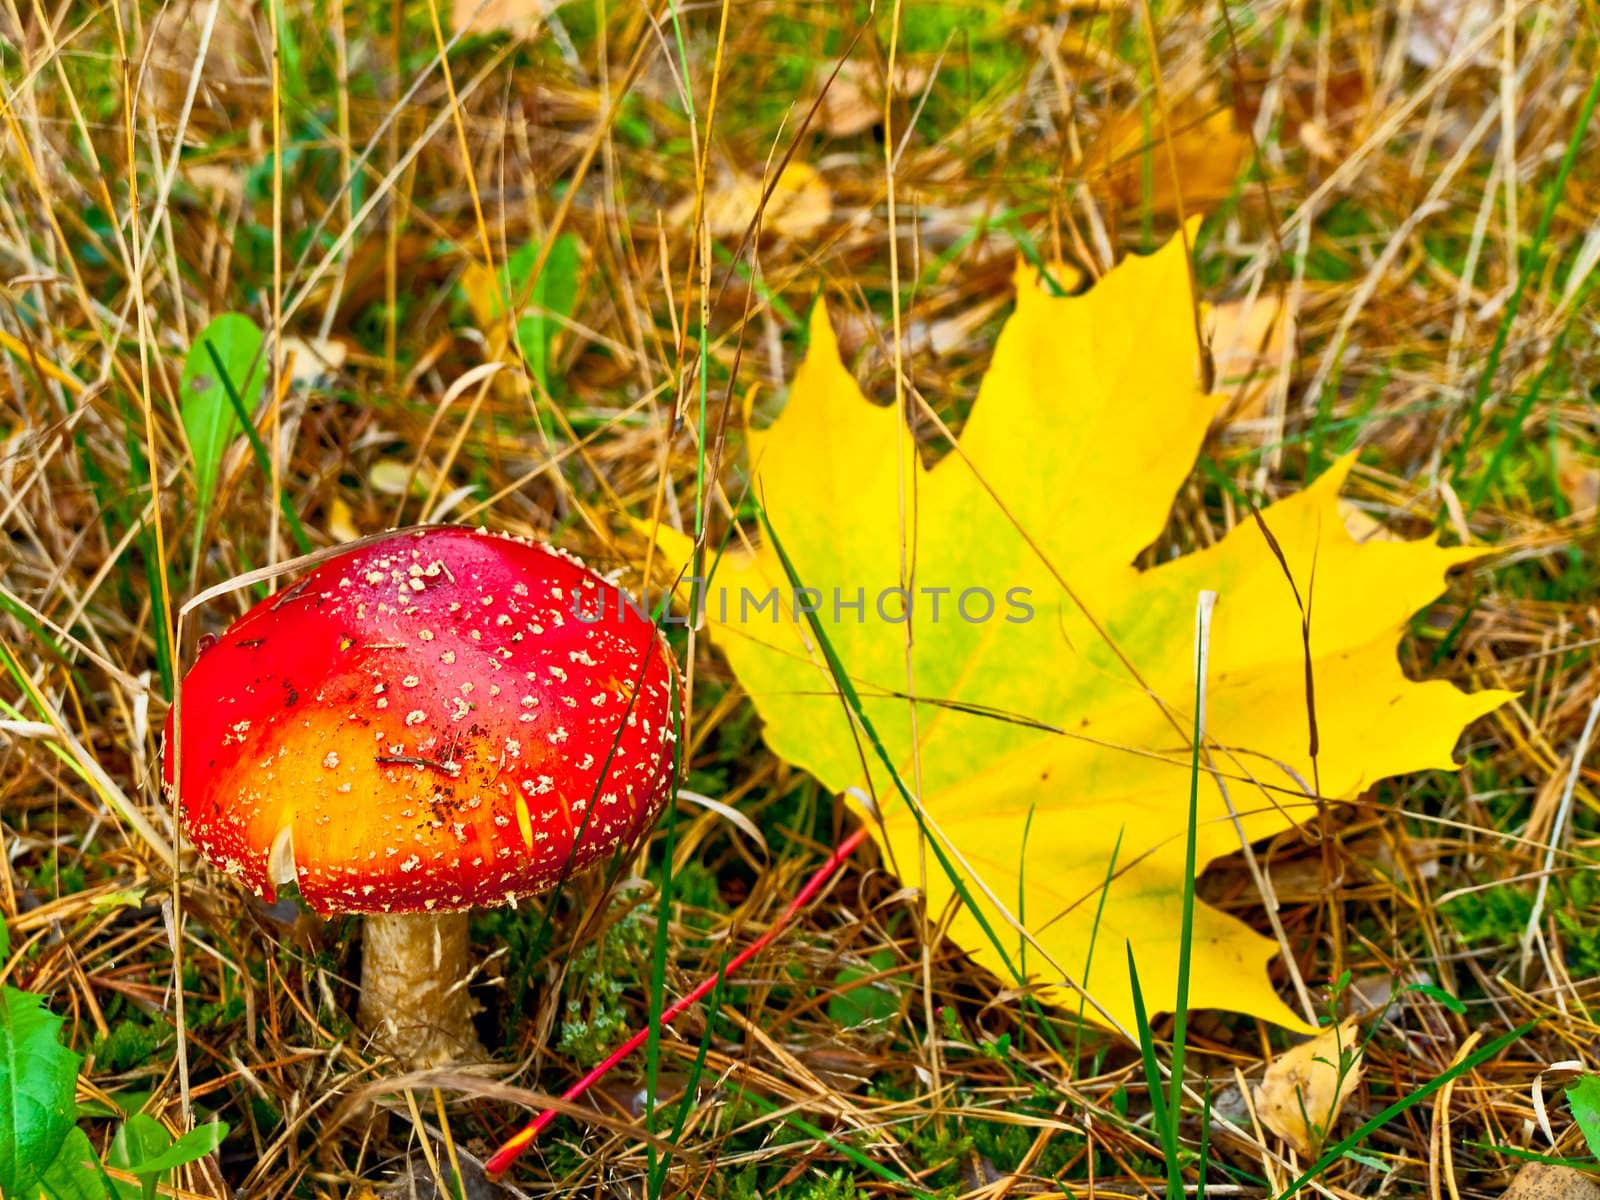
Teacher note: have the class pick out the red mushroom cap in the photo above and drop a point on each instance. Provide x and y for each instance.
(435, 720)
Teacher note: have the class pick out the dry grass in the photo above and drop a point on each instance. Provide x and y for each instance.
(1400, 176)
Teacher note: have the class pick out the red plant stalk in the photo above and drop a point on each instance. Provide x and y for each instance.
(501, 1160)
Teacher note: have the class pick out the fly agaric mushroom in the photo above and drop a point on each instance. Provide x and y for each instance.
(439, 719)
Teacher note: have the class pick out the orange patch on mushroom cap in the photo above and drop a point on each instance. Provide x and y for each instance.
(431, 722)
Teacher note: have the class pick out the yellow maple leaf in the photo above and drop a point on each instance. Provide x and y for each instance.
(1049, 743)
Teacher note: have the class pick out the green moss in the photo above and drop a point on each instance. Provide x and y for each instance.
(1005, 1145)
(55, 878)
(601, 973)
(696, 895)
(218, 1015)
(526, 931)
(127, 1044)
(835, 1186)
(1498, 915)
(266, 1113)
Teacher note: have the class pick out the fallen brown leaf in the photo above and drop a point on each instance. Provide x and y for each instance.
(1441, 29)
(215, 177)
(312, 362)
(852, 101)
(1578, 477)
(520, 18)
(1206, 142)
(390, 477)
(341, 522)
(1247, 340)
(1303, 1090)
(1314, 137)
(232, 55)
(800, 204)
(1547, 1181)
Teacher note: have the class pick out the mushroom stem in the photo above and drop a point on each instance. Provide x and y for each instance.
(413, 987)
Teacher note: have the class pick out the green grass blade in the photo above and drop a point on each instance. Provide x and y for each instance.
(552, 297)
(1333, 1153)
(1094, 937)
(852, 699)
(1180, 1012)
(259, 448)
(657, 1172)
(1530, 268)
(658, 995)
(691, 1082)
(1514, 427)
(1152, 1069)
(861, 1160)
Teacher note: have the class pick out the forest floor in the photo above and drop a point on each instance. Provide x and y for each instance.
(1396, 214)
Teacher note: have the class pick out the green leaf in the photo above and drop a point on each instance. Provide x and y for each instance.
(118, 1104)
(1584, 1097)
(75, 1173)
(145, 1148)
(37, 1078)
(554, 295)
(1440, 995)
(121, 898)
(856, 1003)
(195, 1144)
(5, 941)
(208, 417)
(139, 1140)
